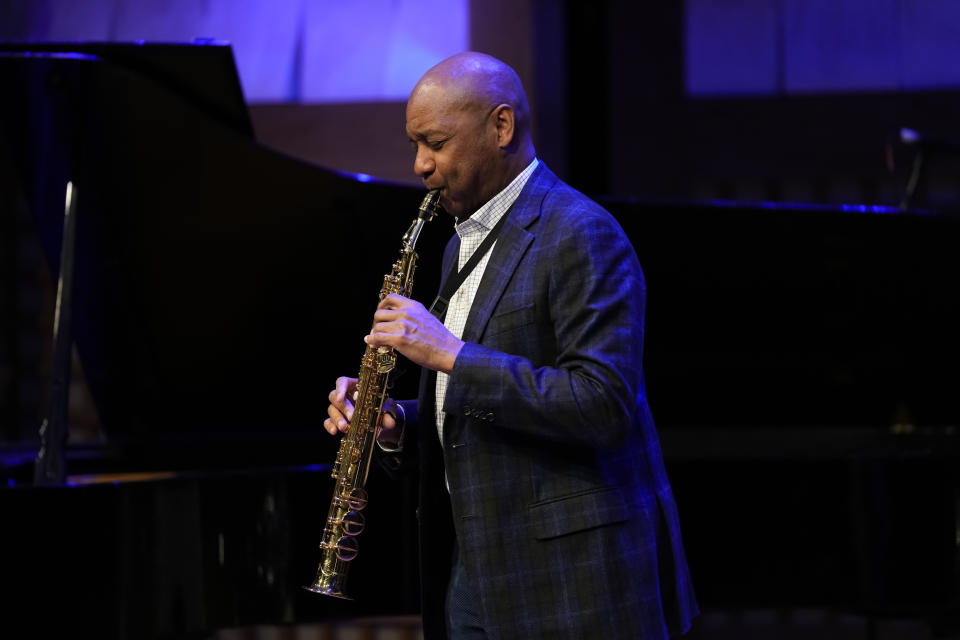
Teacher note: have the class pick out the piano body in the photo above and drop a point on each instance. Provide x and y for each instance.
(801, 364)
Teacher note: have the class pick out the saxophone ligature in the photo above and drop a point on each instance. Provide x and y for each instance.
(345, 518)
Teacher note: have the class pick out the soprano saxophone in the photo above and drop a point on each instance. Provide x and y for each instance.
(344, 519)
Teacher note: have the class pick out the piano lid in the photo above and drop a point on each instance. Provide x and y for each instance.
(202, 73)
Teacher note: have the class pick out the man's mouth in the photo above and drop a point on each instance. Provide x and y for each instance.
(444, 198)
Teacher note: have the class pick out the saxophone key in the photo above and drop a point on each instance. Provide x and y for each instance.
(347, 548)
(356, 498)
(352, 524)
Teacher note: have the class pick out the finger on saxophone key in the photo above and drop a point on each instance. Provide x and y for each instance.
(346, 393)
(341, 406)
(333, 420)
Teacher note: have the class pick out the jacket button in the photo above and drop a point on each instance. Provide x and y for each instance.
(467, 410)
(490, 417)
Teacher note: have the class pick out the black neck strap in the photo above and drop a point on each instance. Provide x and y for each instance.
(455, 278)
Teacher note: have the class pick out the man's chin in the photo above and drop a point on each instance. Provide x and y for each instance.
(453, 208)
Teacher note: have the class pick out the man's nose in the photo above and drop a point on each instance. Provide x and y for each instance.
(423, 164)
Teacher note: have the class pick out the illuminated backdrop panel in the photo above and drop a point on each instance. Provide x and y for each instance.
(286, 50)
(782, 47)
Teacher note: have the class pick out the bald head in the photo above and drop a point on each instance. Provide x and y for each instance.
(477, 81)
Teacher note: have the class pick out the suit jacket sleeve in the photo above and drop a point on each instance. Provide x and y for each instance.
(561, 355)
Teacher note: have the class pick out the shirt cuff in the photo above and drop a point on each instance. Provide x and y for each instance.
(401, 417)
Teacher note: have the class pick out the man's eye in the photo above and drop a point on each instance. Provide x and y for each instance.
(436, 146)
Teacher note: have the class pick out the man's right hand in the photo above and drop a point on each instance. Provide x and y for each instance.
(340, 411)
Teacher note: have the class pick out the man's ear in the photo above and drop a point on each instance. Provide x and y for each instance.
(505, 122)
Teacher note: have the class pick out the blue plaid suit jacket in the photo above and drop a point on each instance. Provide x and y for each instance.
(558, 496)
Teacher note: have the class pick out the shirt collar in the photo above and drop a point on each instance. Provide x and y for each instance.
(487, 216)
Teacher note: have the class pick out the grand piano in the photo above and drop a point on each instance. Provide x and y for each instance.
(802, 365)
(213, 284)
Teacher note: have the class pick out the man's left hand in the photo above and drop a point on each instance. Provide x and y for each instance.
(408, 327)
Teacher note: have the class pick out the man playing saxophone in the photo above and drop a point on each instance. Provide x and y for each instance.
(543, 495)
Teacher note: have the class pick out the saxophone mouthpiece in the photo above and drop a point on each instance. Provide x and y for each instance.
(430, 204)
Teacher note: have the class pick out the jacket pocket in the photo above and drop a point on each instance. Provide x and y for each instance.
(510, 320)
(576, 512)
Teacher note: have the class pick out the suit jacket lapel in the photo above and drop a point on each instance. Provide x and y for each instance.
(509, 249)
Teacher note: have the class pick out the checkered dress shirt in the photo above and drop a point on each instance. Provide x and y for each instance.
(472, 231)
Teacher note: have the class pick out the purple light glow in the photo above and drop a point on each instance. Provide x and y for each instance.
(806, 206)
(359, 177)
(68, 55)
